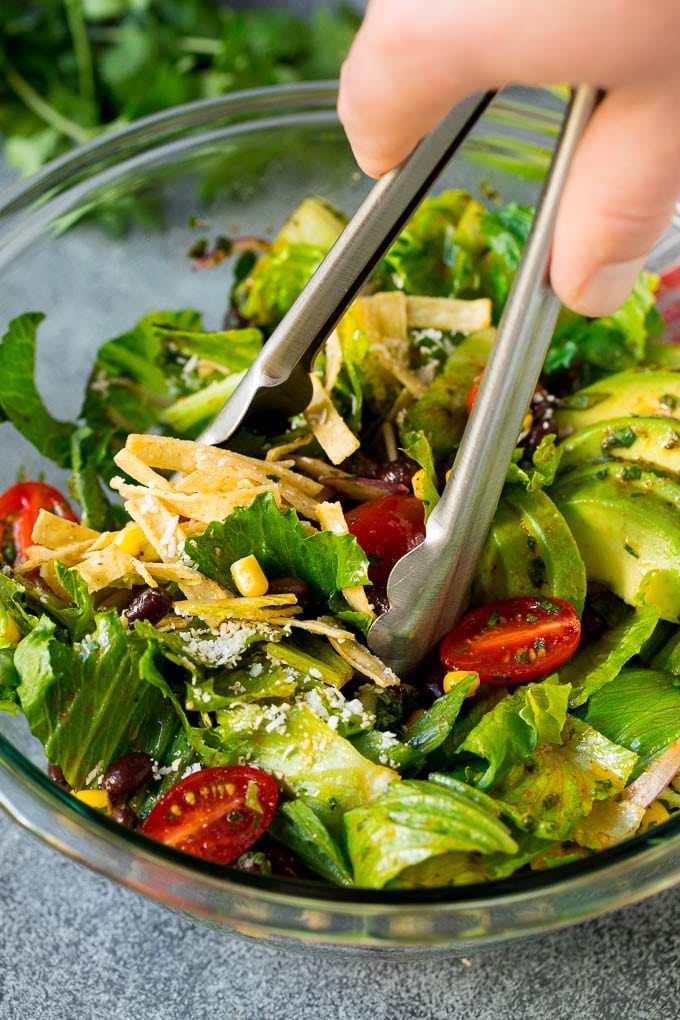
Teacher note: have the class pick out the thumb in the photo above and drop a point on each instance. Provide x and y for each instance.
(618, 200)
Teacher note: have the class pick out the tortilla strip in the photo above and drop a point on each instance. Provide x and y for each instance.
(330, 430)
(332, 518)
(448, 313)
(54, 531)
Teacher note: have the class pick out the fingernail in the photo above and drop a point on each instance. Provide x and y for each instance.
(607, 288)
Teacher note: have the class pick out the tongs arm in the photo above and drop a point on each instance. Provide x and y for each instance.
(427, 589)
(278, 378)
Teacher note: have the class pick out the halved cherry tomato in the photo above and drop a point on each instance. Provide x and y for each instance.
(386, 529)
(513, 641)
(473, 391)
(19, 509)
(217, 813)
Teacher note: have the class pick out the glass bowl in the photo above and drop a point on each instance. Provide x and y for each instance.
(242, 164)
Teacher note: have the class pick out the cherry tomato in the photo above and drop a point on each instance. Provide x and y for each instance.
(216, 813)
(513, 641)
(386, 529)
(473, 391)
(19, 509)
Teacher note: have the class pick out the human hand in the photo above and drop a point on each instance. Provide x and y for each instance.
(411, 62)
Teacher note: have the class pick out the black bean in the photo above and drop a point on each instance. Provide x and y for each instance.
(296, 586)
(400, 471)
(127, 773)
(55, 773)
(124, 815)
(149, 604)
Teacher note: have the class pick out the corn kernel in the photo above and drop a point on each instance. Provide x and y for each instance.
(417, 483)
(9, 632)
(448, 474)
(98, 799)
(455, 676)
(655, 814)
(132, 541)
(249, 578)
(528, 421)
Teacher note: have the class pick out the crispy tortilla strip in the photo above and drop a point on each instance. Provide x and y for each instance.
(168, 454)
(197, 506)
(408, 379)
(384, 314)
(335, 438)
(365, 662)
(141, 472)
(273, 609)
(54, 531)
(448, 313)
(332, 518)
(69, 555)
(162, 529)
(322, 627)
(334, 358)
(112, 568)
(277, 453)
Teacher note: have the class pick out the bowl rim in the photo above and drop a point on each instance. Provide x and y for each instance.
(254, 104)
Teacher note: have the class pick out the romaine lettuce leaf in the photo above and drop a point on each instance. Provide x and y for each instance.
(299, 827)
(556, 785)
(611, 343)
(307, 755)
(417, 819)
(600, 661)
(417, 446)
(327, 562)
(639, 709)
(20, 401)
(515, 728)
(89, 702)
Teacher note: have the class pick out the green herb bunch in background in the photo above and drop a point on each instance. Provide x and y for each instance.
(70, 69)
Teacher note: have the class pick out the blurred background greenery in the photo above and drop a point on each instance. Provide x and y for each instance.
(71, 69)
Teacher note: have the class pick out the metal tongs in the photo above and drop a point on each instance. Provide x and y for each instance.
(427, 589)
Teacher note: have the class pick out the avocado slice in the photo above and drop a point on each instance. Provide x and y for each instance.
(626, 529)
(637, 391)
(650, 439)
(529, 551)
(638, 477)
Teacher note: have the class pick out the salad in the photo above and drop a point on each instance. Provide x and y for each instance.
(188, 644)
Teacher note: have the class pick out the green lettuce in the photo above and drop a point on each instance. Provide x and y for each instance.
(515, 728)
(299, 827)
(418, 819)
(20, 401)
(556, 785)
(611, 343)
(91, 701)
(327, 562)
(600, 661)
(639, 709)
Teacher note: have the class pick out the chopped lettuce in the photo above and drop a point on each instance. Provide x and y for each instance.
(556, 785)
(418, 819)
(600, 661)
(20, 401)
(639, 709)
(611, 343)
(307, 755)
(93, 700)
(515, 728)
(299, 827)
(327, 562)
